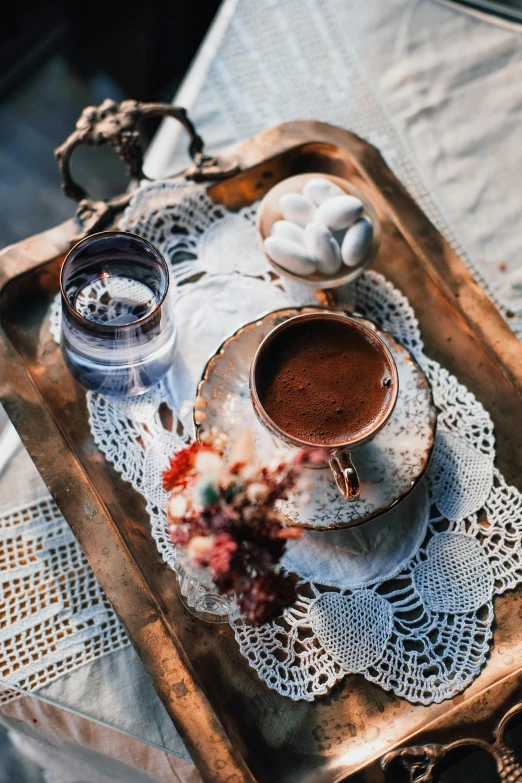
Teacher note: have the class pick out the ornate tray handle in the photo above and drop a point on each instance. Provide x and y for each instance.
(421, 760)
(116, 124)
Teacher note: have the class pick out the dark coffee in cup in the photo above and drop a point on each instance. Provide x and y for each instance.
(325, 381)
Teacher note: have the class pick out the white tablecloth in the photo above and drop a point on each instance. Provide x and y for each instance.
(438, 90)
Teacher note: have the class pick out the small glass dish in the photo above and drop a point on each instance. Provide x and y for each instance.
(269, 212)
(118, 334)
(199, 595)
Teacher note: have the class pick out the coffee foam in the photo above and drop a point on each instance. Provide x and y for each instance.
(323, 381)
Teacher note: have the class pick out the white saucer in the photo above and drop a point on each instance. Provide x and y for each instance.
(361, 556)
(389, 467)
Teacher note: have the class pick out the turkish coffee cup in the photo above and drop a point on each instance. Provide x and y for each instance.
(325, 381)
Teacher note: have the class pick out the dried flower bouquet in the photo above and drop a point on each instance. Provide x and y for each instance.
(223, 511)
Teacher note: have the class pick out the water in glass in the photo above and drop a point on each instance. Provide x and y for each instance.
(118, 333)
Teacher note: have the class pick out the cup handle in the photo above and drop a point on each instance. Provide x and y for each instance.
(345, 475)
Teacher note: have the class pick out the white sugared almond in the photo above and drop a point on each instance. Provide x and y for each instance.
(323, 247)
(297, 208)
(285, 229)
(339, 211)
(319, 189)
(290, 255)
(357, 242)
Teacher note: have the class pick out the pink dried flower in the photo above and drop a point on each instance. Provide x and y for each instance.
(223, 549)
(180, 535)
(289, 533)
(199, 548)
(309, 457)
(242, 453)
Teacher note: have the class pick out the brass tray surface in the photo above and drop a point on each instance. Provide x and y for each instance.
(235, 727)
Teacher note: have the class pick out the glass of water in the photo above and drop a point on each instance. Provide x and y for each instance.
(118, 332)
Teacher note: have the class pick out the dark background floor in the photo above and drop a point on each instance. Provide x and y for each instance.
(56, 57)
(34, 120)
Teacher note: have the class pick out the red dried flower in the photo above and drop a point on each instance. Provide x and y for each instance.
(181, 465)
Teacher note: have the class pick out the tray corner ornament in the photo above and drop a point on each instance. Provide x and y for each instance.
(421, 760)
(116, 124)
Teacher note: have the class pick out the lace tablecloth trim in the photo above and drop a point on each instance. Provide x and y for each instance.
(54, 616)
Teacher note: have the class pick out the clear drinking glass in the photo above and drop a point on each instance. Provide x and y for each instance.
(118, 332)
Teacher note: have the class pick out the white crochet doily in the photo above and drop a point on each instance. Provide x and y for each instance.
(302, 55)
(426, 634)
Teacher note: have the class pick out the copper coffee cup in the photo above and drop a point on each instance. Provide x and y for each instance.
(337, 454)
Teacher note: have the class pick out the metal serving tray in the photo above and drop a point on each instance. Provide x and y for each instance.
(235, 727)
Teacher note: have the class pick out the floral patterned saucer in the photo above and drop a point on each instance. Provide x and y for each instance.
(389, 467)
